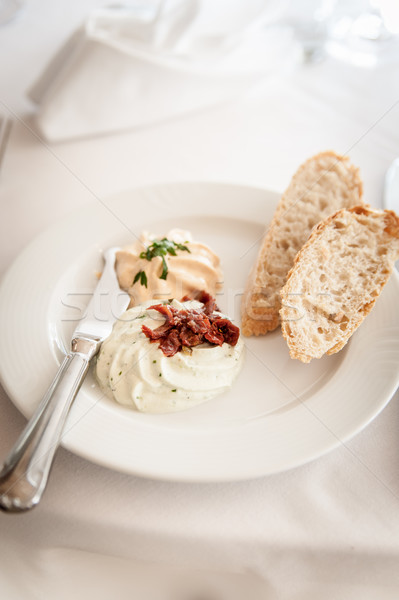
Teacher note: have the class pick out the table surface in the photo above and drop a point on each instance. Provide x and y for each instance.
(330, 525)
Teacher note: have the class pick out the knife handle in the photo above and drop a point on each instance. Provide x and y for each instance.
(24, 474)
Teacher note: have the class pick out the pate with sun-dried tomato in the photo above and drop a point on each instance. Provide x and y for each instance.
(169, 356)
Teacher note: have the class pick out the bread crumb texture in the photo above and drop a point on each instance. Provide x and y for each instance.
(321, 186)
(336, 279)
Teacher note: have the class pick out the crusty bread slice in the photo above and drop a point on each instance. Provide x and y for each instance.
(321, 186)
(336, 279)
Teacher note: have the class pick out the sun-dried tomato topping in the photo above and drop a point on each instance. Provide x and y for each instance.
(170, 343)
(165, 310)
(158, 333)
(230, 334)
(207, 300)
(191, 327)
(214, 336)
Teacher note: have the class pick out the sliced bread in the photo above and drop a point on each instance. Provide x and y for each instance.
(336, 279)
(321, 186)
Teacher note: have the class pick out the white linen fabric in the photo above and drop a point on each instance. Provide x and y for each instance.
(329, 529)
(131, 65)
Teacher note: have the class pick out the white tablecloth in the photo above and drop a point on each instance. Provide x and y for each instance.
(329, 529)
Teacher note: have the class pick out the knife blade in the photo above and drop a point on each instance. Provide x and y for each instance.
(391, 187)
(391, 190)
(25, 472)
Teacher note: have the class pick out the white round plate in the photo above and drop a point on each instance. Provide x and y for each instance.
(279, 414)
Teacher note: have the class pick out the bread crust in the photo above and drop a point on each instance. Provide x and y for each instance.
(261, 301)
(391, 229)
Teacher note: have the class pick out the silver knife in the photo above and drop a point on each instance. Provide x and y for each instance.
(391, 190)
(25, 472)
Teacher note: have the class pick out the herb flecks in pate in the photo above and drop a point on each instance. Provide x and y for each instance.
(136, 372)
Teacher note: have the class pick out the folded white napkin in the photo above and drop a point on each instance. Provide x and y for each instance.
(137, 64)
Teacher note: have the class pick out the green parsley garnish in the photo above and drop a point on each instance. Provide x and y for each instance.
(142, 277)
(159, 248)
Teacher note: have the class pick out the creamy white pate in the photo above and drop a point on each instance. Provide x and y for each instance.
(136, 373)
(188, 271)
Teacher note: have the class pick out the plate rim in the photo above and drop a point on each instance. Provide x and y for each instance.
(211, 477)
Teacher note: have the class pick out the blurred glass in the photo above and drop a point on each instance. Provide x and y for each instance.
(9, 9)
(310, 22)
(365, 33)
